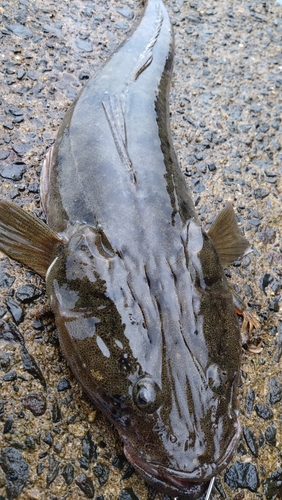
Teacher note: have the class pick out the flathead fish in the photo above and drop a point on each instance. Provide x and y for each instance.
(142, 306)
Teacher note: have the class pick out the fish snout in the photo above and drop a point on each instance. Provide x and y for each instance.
(189, 481)
(167, 481)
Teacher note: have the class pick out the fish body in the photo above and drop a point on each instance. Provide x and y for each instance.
(144, 313)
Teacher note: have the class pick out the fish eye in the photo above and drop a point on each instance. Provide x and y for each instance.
(217, 378)
(146, 395)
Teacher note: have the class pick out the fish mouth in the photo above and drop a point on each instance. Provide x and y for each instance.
(176, 483)
(165, 480)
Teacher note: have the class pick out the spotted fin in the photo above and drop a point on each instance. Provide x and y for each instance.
(27, 239)
(227, 237)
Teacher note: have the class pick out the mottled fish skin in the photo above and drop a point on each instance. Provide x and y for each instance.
(144, 313)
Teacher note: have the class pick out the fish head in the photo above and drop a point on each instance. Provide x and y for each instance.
(155, 344)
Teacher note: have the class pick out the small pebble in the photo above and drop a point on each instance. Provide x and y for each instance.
(68, 473)
(15, 469)
(15, 309)
(273, 484)
(86, 485)
(83, 463)
(35, 402)
(119, 462)
(10, 376)
(56, 413)
(27, 293)
(275, 391)
(251, 441)
(84, 45)
(21, 73)
(63, 385)
(211, 167)
(8, 425)
(89, 448)
(270, 434)
(14, 172)
(127, 494)
(242, 475)
(53, 471)
(48, 438)
(127, 13)
(102, 473)
(129, 471)
(30, 365)
(20, 30)
(263, 411)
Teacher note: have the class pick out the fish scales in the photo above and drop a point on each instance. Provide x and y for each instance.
(143, 309)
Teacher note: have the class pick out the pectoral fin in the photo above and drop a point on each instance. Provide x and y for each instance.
(27, 239)
(227, 237)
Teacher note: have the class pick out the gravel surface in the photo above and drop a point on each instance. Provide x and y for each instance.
(225, 118)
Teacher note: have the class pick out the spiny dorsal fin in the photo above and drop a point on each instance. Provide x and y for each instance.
(27, 239)
(146, 57)
(114, 108)
(227, 237)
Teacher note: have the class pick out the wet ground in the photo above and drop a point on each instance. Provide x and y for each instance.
(226, 104)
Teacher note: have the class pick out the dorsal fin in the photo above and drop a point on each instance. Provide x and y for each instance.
(146, 57)
(227, 237)
(27, 239)
(114, 108)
